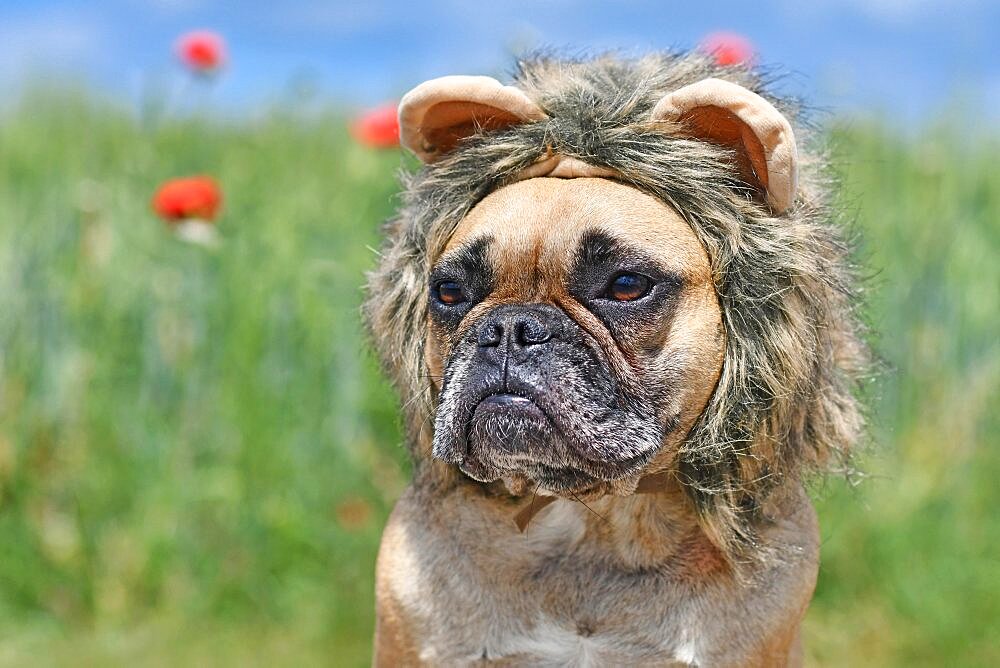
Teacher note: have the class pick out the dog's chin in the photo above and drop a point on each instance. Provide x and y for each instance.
(510, 438)
(505, 434)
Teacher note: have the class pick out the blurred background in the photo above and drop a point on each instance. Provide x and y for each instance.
(197, 452)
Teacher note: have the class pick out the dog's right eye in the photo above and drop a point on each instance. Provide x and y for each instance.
(449, 293)
(628, 287)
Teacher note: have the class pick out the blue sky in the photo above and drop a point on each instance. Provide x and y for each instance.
(905, 58)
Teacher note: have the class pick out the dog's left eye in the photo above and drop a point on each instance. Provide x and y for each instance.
(627, 287)
(449, 293)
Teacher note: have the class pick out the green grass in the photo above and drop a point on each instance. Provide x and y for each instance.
(197, 452)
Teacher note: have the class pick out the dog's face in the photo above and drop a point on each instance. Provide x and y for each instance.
(574, 336)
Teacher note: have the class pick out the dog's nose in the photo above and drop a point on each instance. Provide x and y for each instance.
(519, 326)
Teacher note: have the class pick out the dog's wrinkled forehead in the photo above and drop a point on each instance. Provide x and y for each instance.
(531, 232)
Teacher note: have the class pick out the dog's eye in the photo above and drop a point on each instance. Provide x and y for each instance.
(449, 293)
(627, 287)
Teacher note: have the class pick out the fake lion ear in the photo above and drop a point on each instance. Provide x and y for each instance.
(728, 114)
(435, 115)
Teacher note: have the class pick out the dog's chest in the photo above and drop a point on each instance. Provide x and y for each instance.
(547, 604)
(536, 635)
(561, 642)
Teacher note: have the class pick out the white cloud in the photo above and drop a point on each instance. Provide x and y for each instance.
(56, 39)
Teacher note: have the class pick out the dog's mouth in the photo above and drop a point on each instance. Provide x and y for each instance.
(509, 404)
(507, 426)
(513, 433)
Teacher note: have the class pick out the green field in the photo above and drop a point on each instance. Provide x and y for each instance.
(197, 453)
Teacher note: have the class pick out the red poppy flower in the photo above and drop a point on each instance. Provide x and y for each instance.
(728, 48)
(378, 128)
(203, 51)
(194, 197)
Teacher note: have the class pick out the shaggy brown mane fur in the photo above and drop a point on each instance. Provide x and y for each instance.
(785, 403)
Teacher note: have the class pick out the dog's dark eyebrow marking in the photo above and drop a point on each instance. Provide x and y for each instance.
(598, 249)
(470, 262)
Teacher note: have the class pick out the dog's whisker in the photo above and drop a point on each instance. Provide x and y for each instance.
(588, 507)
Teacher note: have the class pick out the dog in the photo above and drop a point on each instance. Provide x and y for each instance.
(619, 311)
